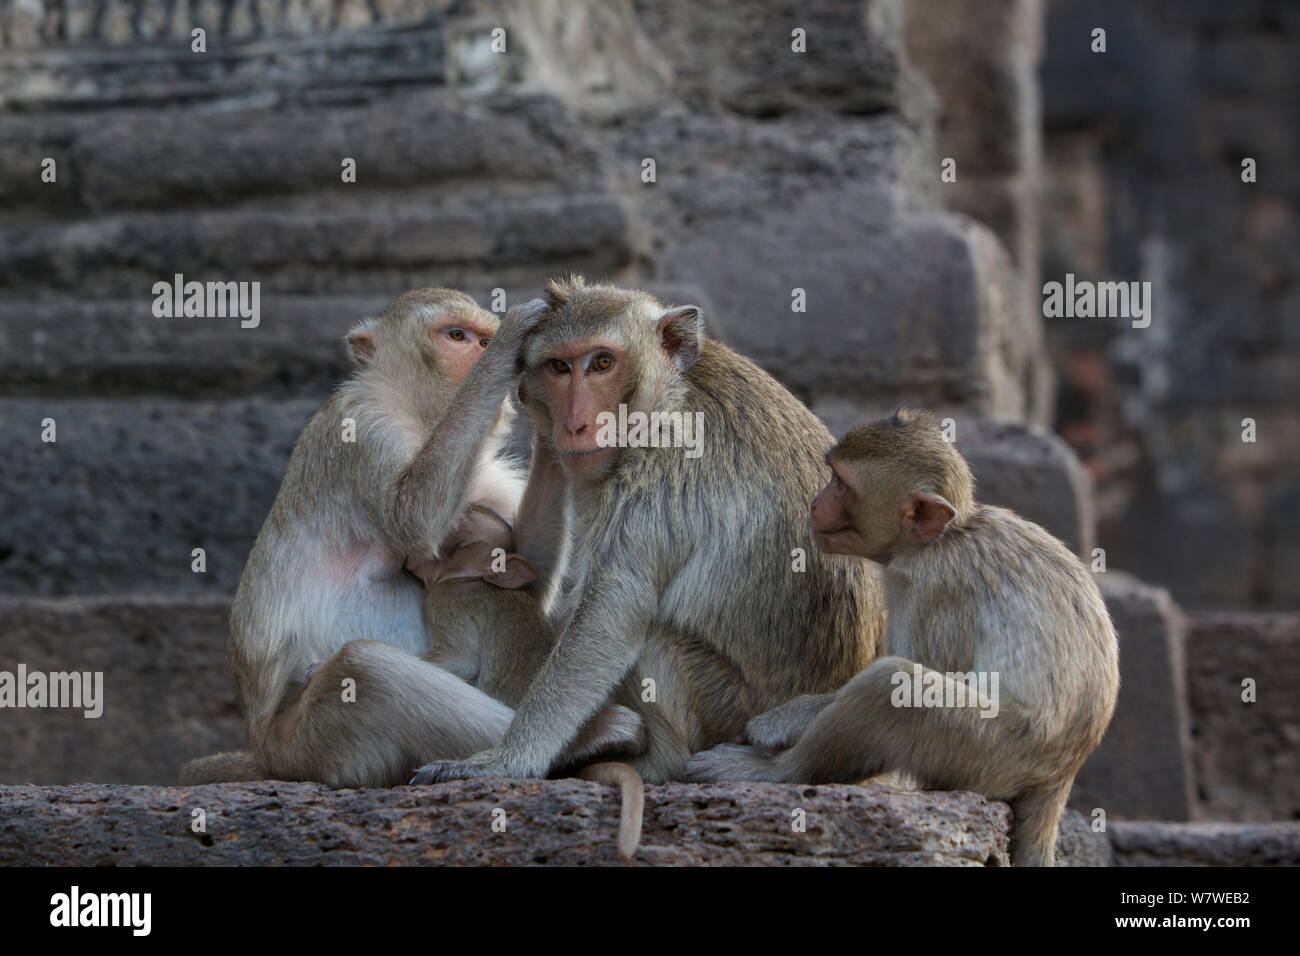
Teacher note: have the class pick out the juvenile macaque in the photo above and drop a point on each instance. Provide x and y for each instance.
(678, 596)
(327, 629)
(486, 626)
(1003, 666)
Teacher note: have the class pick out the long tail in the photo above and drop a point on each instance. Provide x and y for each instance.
(633, 808)
(230, 767)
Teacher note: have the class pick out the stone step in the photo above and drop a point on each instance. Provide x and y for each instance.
(1150, 729)
(132, 485)
(373, 243)
(165, 698)
(103, 347)
(173, 159)
(1148, 843)
(34, 24)
(100, 348)
(168, 71)
(1247, 753)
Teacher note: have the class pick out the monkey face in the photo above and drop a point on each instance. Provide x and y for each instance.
(831, 515)
(855, 515)
(579, 384)
(458, 339)
(597, 357)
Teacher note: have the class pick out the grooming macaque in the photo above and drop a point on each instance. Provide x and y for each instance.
(678, 596)
(971, 590)
(327, 628)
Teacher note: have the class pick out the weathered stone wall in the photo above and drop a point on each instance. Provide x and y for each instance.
(776, 171)
(1144, 146)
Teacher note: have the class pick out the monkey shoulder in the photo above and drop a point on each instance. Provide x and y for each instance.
(754, 423)
(1023, 542)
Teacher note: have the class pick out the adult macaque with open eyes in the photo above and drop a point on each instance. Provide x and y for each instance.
(971, 590)
(682, 603)
(384, 471)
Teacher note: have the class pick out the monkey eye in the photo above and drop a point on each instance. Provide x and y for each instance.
(602, 363)
(483, 343)
(456, 335)
(558, 366)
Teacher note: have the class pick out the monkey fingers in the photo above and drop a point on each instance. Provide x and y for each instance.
(520, 320)
(484, 764)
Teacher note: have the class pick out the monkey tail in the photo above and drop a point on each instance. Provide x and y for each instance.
(633, 808)
(230, 767)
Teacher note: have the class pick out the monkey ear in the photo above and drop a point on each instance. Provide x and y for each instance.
(518, 573)
(361, 344)
(680, 331)
(926, 516)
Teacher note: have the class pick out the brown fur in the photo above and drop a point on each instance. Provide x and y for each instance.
(679, 570)
(990, 593)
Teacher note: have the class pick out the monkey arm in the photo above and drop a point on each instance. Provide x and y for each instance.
(596, 650)
(432, 492)
(541, 530)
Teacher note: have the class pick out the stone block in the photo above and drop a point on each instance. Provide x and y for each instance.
(1247, 754)
(166, 693)
(556, 822)
(1143, 767)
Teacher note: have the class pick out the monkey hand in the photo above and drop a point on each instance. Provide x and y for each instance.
(732, 762)
(781, 727)
(517, 323)
(485, 764)
(424, 570)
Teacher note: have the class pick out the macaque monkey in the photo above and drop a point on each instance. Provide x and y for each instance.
(385, 472)
(483, 624)
(975, 595)
(684, 594)
(486, 626)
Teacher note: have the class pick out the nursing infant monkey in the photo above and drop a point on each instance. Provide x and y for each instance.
(399, 465)
(968, 588)
(487, 627)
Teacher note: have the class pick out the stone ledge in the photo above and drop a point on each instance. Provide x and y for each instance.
(556, 822)
(1206, 844)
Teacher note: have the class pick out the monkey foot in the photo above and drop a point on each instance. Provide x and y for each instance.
(731, 762)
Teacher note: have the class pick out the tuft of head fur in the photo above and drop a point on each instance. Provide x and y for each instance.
(577, 310)
(911, 442)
